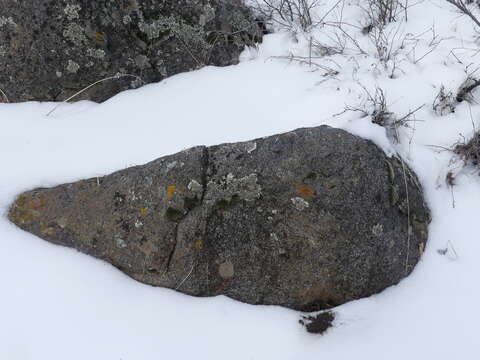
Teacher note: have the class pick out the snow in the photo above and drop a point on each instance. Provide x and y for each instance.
(56, 303)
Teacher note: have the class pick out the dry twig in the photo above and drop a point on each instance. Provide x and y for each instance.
(117, 76)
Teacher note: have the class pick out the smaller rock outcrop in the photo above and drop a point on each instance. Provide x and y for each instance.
(49, 50)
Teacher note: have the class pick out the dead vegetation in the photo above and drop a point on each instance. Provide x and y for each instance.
(288, 13)
(465, 92)
(444, 102)
(115, 77)
(383, 12)
(392, 45)
(378, 103)
(463, 7)
(469, 151)
(376, 107)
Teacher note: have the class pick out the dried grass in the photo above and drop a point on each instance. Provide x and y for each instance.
(469, 151)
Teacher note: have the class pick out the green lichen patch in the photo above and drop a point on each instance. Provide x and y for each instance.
(228, 203)
(96, 53)
(191, 202)
(119, 242)
(226, 188)
(311, 176)
(173, 214)
(195, 187)
(299, 203)
(164, 27)
(72, 67)
(71, 11)
(75, 33)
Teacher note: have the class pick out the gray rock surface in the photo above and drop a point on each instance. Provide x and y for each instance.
(51, 49)
(308, 219)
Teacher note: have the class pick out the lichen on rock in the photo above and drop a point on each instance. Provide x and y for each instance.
(96, 53)
(72, 67)
(75, 33)
(280, 225)
(71, 11)
(228, 187)
(300, 204)
(4, 21)
(147, 38)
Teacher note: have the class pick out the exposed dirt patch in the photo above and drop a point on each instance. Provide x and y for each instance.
(318, 324)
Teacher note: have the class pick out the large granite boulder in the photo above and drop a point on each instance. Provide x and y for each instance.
(51, 49)
(308, 219)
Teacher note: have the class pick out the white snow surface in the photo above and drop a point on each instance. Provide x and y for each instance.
(56, 303)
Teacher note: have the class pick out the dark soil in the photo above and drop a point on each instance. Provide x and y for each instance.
(318, 324)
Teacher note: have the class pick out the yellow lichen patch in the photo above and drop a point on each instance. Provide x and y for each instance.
(198, 244)
(306, 192)
(21, 201)
(47, 230)
(143, 211)
(171, 191)
(26, 209)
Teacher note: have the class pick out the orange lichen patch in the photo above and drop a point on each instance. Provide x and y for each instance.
(99, 36)
(143, 211)
(198, 244)
(306, 192)
(171, 191)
